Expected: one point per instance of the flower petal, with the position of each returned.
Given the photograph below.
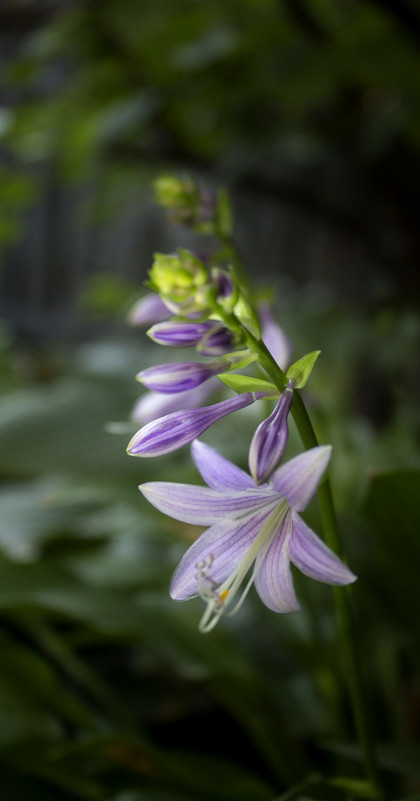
(149, 309)
(314, 558)
(298, 479)
(273, 578)
(274, 337)
(179, 428)
(222, 546)
(218, 472)
(202, 506)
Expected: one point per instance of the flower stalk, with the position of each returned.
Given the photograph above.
(343, 608)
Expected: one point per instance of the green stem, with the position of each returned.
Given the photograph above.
(344, 610)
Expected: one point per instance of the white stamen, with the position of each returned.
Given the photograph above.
(218, 598)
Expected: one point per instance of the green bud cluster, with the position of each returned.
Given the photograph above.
(177, 278)
(185, 202)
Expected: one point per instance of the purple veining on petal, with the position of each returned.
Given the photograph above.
(174, 333)
(273, 579)
(314, 558)
(270, 440)
(218, 472)
(202, 506)
(298, 479)
(180, 376)
(224, 545)
(179, 428)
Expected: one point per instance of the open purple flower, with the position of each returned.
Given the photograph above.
(255, 533)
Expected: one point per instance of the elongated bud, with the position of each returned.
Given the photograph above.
(270, 439)
(179, 428)
(181, 376)
(177, 334)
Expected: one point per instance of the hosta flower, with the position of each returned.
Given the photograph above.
(255, 533)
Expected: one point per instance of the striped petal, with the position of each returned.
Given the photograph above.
(175, 333)
(273, 578)
(180, 376)
(180, 428)
(152, 405)
(314, 558)
(270, 439)
(298, 479)
(203, 506)
(218, 472)
(216, 553)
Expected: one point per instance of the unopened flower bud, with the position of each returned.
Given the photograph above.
(178, 277)
(186, 202)
(270, 439)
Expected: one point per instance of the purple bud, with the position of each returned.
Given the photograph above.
(180, 334)
(149, 309)
(181, 376)
(217, 341)
(270, 439)
(179, 428)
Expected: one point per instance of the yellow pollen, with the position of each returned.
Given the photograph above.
(223, 595)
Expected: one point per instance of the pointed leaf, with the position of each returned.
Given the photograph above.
(301, 370)
(245, 383)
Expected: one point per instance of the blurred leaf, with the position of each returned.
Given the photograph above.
(393, 510)
(244, 383)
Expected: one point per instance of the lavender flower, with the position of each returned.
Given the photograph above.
(211, 338)
(252, 527)
(179, 428)
(270, 439)
(181, 376)
(149, 309)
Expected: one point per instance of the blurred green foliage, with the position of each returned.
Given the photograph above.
(107, 690)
